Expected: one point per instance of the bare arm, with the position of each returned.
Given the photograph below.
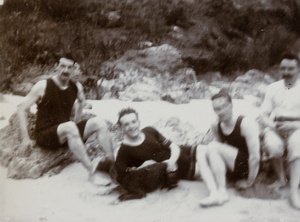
(33, 97)
(79, 103)
(288, 115)
(214, 131)
(266, 110)
(172, 161)
(249, 129)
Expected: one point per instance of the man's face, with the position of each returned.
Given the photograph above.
(222, 108)
(130, 125)
(289, 71)
(65, 70)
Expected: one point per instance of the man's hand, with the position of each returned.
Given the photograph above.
(171, 166)
(243, 184)
(147, 163)
(25, 147)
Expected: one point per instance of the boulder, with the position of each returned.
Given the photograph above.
(176, 97)
(38, 161)
(157, 60)
(181, 132)
(141, 91)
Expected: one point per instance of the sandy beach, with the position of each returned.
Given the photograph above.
(69, 196)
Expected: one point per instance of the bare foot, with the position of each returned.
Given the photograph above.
(295, 201)
(277, 185)
(99, 179)
(213, 200)
(223, 196)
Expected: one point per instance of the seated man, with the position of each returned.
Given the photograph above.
(282, 105)
(55, 98)
(235, 152)
(147, 161)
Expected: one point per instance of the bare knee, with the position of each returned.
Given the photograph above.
(201, 153)
(212, 150)
(294, 139)
(68, 130)
(97, 124)
(293, 146)
(273, 145)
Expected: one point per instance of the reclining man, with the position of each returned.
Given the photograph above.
(234, 155)
(55, 98)
(147, 161)
(282, 106)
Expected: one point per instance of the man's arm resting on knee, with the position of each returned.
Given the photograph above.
(250, 131)
(34, 95)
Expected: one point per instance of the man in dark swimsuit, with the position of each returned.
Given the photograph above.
(235, 152)
(55, 98)
(146, 160)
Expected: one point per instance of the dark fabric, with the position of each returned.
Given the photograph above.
(48, 138)
(241, 168)
(155, 147)
(144, 180)
(236, 140)
(186, 163)
(55, 106)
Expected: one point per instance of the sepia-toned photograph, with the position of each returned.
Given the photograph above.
(149, 110)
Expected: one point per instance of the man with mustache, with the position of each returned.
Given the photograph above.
(55, 98)
(281, 114)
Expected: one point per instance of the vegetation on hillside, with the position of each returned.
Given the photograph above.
(213, 35)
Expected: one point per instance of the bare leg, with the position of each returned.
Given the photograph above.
(219, 169)
(99, 126)
(274, 148)
(68, 132)
(208, 177)
(294, 183)
(205, 171)
(220, 157)
(277, 164)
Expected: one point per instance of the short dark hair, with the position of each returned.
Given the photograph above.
(223, 93)
(290, 56)
(126, 111)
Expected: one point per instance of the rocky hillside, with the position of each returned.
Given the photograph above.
(169, 46)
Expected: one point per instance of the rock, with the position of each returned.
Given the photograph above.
(255, 76)
(141, 91)
(177, 97)
(186, 76)
(22, 89)
(155, 60)
(180, 132)
(145, 44)
(39, 161)
(114, 19)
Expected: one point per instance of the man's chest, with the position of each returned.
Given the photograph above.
(287, 99)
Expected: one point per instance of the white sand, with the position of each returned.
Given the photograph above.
(70, 197)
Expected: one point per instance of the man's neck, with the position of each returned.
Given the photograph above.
(134, 141)
(230, 122)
